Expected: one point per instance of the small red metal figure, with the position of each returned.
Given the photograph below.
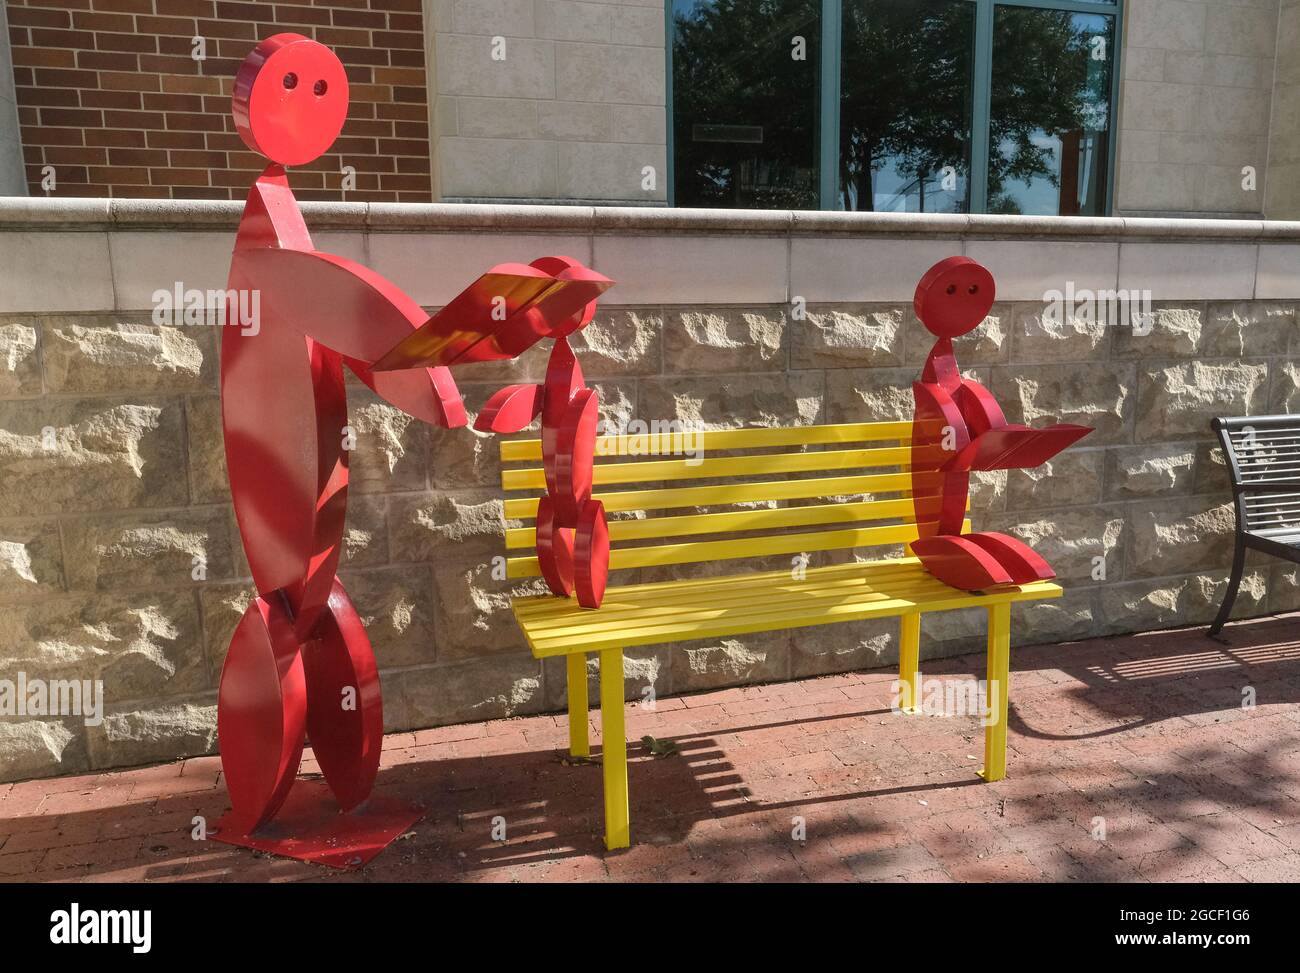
(572, 535)
(299, 662)
(958, 427)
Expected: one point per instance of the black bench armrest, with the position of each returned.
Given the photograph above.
(1276, 486)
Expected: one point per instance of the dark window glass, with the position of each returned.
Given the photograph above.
(1050, 112)
(905, 105)
(745, 103)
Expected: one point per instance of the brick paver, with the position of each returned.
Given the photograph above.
(1133, 760)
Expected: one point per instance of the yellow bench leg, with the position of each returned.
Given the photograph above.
(999, 663)
(909, 664)
(579, 741)
(614, 749)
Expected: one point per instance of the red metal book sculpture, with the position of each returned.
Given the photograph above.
(300, 663)
(958, 427)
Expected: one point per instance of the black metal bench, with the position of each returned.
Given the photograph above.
(1263, 457)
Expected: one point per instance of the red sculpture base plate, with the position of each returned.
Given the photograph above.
(310, 828)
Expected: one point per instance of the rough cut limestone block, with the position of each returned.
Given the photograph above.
(721, 339)
(34, 747)
(1173, 330)
(108, 353)
(20, 360)
(619, 341)
(155, 733)
(1072, 616)
(474, 617)
(396, 607)
(988, 490)
(148, 550)
(1071, 540)
(473, 691)
(646, 674)
(825, 649)
(945, 634)
(54, 453)
(1149, 471)
(1284, 588)
(725, 402)
(31, 560)
(1040, 335)
(223, 606)
(365, 535)
(1068, 479)
(989, 344)
(1100, 395)
(714, 663)
(1178, 400)
(432, 526)
(1285, 394)
(1211, 470)
(1249, 329)
(869, 394)
(1179, 536)
(207, 450)
(1141, 606)
(395, 716)
(391, 449)
(851, 335)
(143, 646)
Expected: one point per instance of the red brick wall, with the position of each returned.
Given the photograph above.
(109, 95)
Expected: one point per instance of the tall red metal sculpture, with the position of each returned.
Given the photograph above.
(300, 663)
(958, 427)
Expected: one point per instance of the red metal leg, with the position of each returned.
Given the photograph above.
(345, 712)
(261, 712)
(591, 555)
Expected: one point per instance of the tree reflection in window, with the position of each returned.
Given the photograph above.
(745, 102)
(1050, 112)
(905, 105)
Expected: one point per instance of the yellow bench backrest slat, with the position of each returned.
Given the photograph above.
(751, 505)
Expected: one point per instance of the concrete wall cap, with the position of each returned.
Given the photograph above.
(85, 214)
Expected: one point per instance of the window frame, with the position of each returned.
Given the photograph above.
(829, 98)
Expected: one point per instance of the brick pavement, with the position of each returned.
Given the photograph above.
(1144, 736)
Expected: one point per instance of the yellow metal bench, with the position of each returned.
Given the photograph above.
(753, 493)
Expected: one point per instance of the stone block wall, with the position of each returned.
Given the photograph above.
(119, 556)
(1284, 143)
(549, 99)
(1196, 98)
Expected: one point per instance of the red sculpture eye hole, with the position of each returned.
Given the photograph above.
(320, 87)
(952, 288)
(291, 81)
(974, 288)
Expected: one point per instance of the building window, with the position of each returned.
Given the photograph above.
(936, 106)
(745, 102)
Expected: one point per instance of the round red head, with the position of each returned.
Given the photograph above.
(291, 99)
(954, 296)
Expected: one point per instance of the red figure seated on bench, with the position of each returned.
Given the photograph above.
(958, 427)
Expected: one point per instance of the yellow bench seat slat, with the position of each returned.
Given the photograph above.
(776, 601)
(685, 468)
(731, 521)
(525, 508)
(520, 450)
(695, 552)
